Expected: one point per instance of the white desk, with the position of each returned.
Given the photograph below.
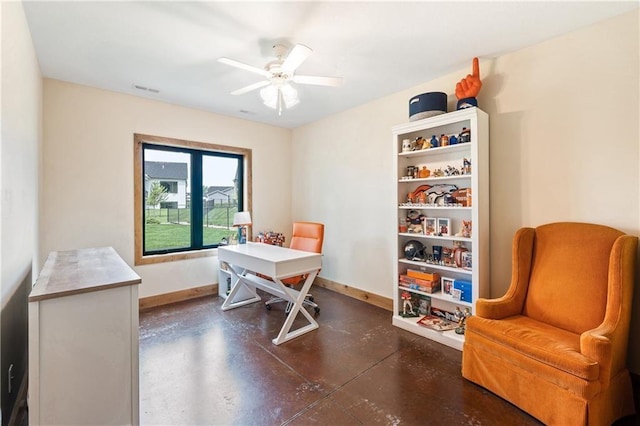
(245, 260)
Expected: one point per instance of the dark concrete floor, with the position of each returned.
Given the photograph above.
(199, 365)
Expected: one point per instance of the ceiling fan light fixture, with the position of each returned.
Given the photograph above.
(289, 95)
(269, 96)
(274, 94)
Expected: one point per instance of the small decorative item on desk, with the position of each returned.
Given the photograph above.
(270, 237)
(242, 220)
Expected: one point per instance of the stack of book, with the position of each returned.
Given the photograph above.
(427, 282)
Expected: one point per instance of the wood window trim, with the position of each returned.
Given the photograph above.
(138, 191)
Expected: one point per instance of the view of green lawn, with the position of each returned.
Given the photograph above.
(161, 233)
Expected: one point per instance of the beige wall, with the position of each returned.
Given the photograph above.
(20, 137)
(21, 93)
(88, 173)
(564, 144)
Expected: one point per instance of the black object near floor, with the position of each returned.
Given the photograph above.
(199, 365)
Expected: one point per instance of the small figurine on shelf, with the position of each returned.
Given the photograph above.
(407, 305)
(466, 229)
(406, 145)
(424, 172)
(451, 171)
(466, 166)
(465, 135)
(462, 319)
(414, 222)
(422, 198)
(425, 144)
(444, 140)
(434, 142)
(468, 88)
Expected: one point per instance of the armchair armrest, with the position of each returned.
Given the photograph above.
(607, 344)
(512, 302)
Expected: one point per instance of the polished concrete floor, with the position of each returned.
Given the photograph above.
(199, 365)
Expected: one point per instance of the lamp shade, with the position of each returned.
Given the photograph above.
(241, 219)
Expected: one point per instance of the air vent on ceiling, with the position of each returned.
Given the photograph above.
(146, 89)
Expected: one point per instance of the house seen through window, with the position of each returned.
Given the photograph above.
(188, 197)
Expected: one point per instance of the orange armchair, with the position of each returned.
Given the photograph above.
(555, 344)
(306, 236)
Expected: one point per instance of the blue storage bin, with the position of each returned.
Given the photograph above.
(465, 287)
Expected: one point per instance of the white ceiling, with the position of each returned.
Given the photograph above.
(378, 48)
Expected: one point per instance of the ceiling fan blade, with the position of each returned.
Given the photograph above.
(296, 57)
(317, 80)
(250, 87)
(244, 66)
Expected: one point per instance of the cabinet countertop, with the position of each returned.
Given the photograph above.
(82, 271)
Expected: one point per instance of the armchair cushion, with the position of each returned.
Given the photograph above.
(541, 342)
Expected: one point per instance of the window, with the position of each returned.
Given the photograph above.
(186, 194)
(171, 187)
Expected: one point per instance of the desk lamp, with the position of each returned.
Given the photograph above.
(242, 220)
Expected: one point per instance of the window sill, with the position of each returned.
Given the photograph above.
(173, 257)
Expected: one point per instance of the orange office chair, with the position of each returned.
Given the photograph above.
(306, 236)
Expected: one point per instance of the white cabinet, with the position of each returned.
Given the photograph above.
(450, 212)
(83, 340)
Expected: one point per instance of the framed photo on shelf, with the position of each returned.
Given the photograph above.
(444, 227)
(447, 285)
(430, 226)
(456, 293)
(467, 260)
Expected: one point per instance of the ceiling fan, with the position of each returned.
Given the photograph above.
(276, 90)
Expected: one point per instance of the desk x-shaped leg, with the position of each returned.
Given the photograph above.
(237, 283)
(242, 279)
(297, 298)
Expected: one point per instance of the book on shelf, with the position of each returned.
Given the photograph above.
(422, 304)
(444, 315)
(418, 284)
(424, 289)
(436, 323)
(428, 276)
